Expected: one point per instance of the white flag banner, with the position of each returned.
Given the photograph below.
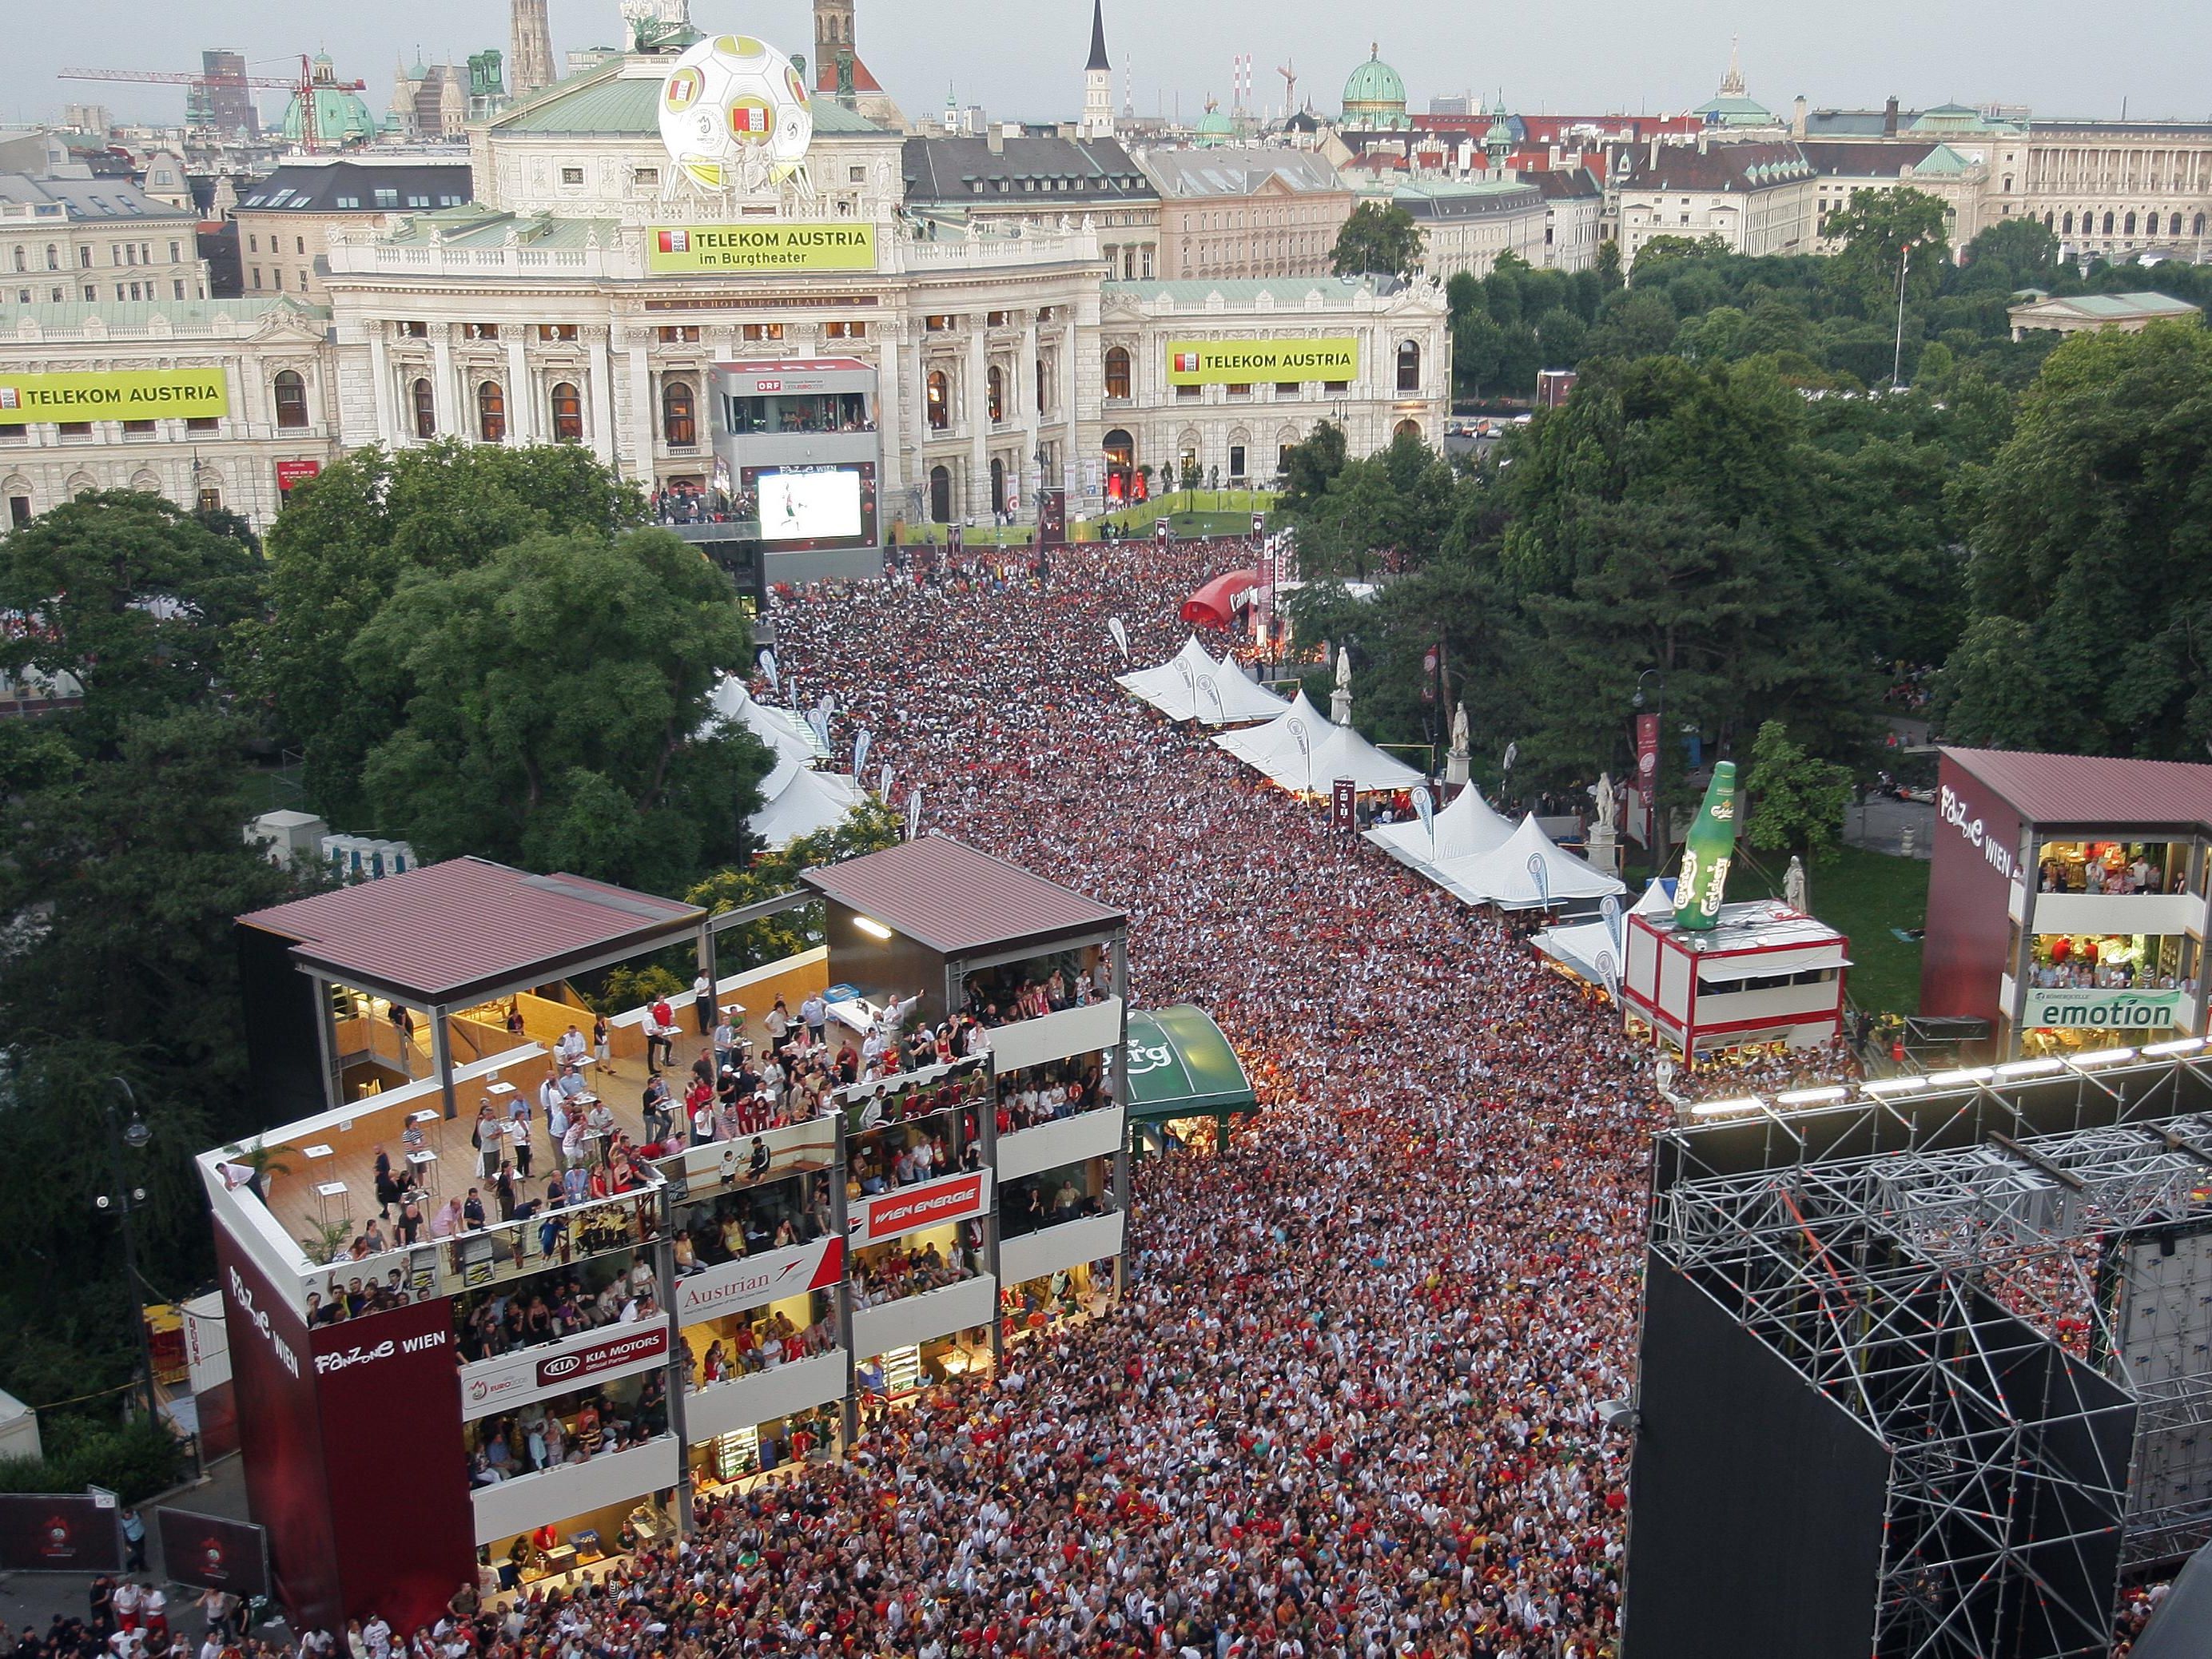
(1427, 811)
(883, 784)
(819, 720)
(914, 813)
(1609, 907)
(768, 667)
(1120, 633)
(860, 741)
(1609, 971)
(1512, 754)
(1541, 874)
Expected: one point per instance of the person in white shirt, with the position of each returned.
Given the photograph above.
(569, 1050)
(702, 1002)
(518, 1135)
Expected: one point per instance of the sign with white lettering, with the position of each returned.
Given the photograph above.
(1954, 810)
(909, 1209)
(599, 1356)
(752, 1282)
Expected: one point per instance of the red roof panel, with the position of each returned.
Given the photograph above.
(447, 932)
(945, 895)
(2100, 792)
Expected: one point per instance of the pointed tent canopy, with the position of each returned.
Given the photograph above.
(1328, 752)
(1234, 697)
(801, 801)
(1168, 687)
(1576, 947)
(784, 732)
(1507, 875)
(1468, 827)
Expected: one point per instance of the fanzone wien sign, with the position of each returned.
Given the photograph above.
(2089, 1008)
(124, 394)
(1240, 362)
(677, 249)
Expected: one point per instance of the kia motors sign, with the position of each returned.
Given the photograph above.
(753, 1281)
(932, 1204)
(518, 1379)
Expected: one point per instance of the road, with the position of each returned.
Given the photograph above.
(1881, 826)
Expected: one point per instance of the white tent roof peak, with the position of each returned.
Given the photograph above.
(1300, 750)
(1191, 685)
(1468, 826)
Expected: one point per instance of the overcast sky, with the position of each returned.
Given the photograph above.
(1025, 59)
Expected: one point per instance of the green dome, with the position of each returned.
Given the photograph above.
(1214, 125)
(1374, 95)
(340, 118)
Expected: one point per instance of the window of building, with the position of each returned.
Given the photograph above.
(84, 258)
(1409, 366)
(19, 511)
(572, 175)
(414, 331)
(853, 330)
(177, 288)
(299, 245)
(53, 257)
(426, 409)
(679, 423)
(75, 428)
(210, 499)
(1336, 388)
(757, 331)
(937, 324)
(2129, 226)
(291, 399)
(2108, 224)
(939, 401)
(1042, 402)
(91, 293)
(1236, 462)
(558, 333)
(138, 428)
(996, 318)
(1239, 388)
(1188, 393)
(856, 175)
(568, 414)
(387, 198)
(276, 278)
(679, 334)
(202, 424)
(491, 412)
(994, 393)
(480, 330)
(256, 276)
(940, 495)
(1117, 371)
(645, 175)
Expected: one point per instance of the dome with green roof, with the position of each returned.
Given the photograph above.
(1214, 127)
(1374, 95)
(340, 118)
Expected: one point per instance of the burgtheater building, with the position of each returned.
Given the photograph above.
(588, 290)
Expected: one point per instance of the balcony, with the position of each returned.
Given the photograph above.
(1055, 1037)
(528, 1375)
(1049, 1249)
(555, 1495)
(746, 1403)
(2119, 912)
(1064, 1141)
(914, 1319)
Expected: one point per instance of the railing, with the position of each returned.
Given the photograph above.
(1050, 1249)
(530, 1500)
(745, 1402)
(914, 1319)
(1060, 1141)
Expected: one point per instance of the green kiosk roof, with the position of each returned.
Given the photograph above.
(1180, 1064)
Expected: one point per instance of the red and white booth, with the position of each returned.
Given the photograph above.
(1764, 974)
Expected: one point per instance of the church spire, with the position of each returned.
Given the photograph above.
(1732, 82)
(1098, 37)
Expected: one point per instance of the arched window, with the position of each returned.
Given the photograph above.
(1117, 371)
(426, 409)
(291, 399)
(491, 412)
(1409, 367)
(2130, 224)
(53, 257)
(998, 485)
(2108, 223)
(568, 414)
(940, 495)
(2199, 231)
(22, 257)
(938, 393)
(2174, 228)
(1120, 452)
(1042, 402)
(1407, 429)
(679, 425)
(2069, 221)
(994, 390)
(2049, 220)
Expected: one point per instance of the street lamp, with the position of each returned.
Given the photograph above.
(126, 1201)
(1897, 359)
(1654, 815)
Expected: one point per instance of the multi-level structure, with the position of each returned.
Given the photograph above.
(1758, 196)
(1233, 213)
(903, 1229)
(285, 221)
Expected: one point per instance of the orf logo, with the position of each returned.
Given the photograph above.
(767, 386)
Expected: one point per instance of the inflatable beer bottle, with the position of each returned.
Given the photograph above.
(1706, 854)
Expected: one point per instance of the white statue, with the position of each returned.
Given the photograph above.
(1339, 701)
(1608, 807)
(1793, 886)
(1458, 732)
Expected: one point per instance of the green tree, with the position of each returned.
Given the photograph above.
(1390, 508)
(1876, 227)
(1609, 265)
(554, 710)
(347, 538)
(1560, 334)
(1380, 239)
(1992, 694)
(872, 827)
(2020, 251)
(1308, 467)
(130, 595)
(1797, 801)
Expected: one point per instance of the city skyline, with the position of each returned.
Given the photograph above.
(1970, 52)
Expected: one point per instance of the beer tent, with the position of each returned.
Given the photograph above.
(1302, 750)
(1526, 871)
(801, 801)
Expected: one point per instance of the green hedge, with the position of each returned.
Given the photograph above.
(136, 1460)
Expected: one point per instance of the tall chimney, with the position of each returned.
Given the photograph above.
(1889, 119)
(1655, 152)
(1797, 118)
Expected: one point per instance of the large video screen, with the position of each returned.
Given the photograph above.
(809, 506)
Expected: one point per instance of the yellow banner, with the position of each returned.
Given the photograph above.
(693, 249)
(125, 394)
(1242, 363)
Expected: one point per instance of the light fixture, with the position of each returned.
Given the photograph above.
(135, 1134)
(1810, 1097)
(2179, 1046)
(1892, 1085)
(1714, 1108)
(2104, 1056)
(872, 928)
(2029, 1067)
(1949, 1080)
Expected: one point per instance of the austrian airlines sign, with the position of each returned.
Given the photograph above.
(753, 1281)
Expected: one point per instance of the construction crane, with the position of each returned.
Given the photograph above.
(303, 89)
(1290, 90)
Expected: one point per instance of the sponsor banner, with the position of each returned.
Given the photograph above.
(1240, 362)
(294, 473)
(754, 1280)
(210, 1552)
(1955, 812)
(1647, 754)
(673, 250)
(2093, 1010)
(60, 1532)
(934, 1203)
(122, 394)
(602, 1355)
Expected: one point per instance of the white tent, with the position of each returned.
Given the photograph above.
(800, 801)
(786, 733)
(1468, 827)
(1300, 749)
(1230, 698)
(1578, 945)
(1191, 685)
(1526, 871)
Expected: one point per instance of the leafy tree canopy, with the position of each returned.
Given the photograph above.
(1379, 239)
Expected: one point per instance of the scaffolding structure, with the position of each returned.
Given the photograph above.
(1950, 1261)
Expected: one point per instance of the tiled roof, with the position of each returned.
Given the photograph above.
(2096, 791)
(1566, 182)
(1426, 198)
(1244, 291)
(1719, 168)
(90, 199)
(1079, 170)
(1197, 172)
(1841, 158)
(466, 928)
(2109, 308)
(606, 102)
(351, 186)
(944, 894)
(136, 317)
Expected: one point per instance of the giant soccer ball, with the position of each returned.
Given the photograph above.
(733, 108)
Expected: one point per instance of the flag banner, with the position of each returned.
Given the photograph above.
(1426, 809)
(1120, 633)
(768, 667)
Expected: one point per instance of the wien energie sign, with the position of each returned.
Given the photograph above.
(124, 394)
(1242, 363)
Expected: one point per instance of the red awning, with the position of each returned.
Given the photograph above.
(1214, 605)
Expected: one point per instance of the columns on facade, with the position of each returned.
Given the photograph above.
(979, 423)
(379, 375)
(443, 382)
(1027, 401)
(602, 395)
(521, 397)
(1071, 372)
(888, 422)
(641, 411)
